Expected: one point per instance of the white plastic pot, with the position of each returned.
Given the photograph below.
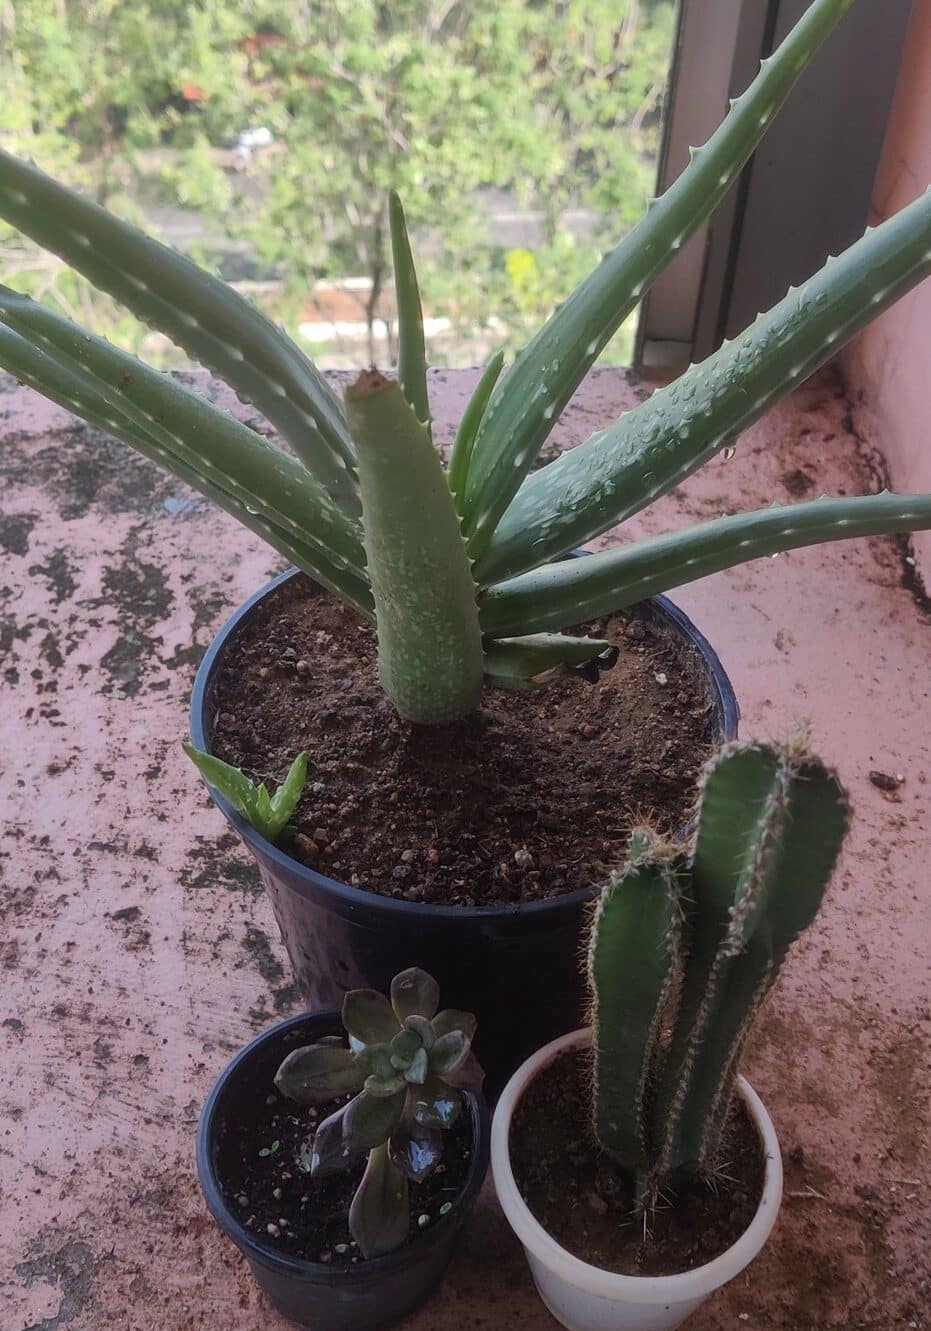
(586, 1298)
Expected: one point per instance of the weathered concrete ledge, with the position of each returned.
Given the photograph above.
(138, 951)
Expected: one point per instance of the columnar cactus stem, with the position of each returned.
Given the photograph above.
(633, 960)
(771, 825)
(683, 955)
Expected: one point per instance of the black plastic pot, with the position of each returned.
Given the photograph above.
(516, 966)
(363, 1297)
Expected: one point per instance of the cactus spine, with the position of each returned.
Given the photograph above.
(671, 1020)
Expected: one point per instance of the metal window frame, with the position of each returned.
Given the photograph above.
(823, 148)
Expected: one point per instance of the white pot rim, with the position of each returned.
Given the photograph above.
(698, 1282)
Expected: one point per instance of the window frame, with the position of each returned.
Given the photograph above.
(824, 145)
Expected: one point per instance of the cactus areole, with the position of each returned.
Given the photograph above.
(452, 561)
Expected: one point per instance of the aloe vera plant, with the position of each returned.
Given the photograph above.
(267, 813)
(684, 950)
(406, 1064)
(453, 563)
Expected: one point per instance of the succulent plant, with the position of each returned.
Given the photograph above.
(453, 564)
(684, 950)
(407, 1063)
(267, 813)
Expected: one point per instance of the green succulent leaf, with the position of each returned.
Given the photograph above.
(412, 355)
(562, 594)
(197, 311)
(457, 470)
(319, 1072)
(414, 993)
(517, 660)
(469, 1076)
(433, 1105)
(416, 1071)
(649, 450)
(384, 1086)
(331, 1153)
(379, 1216)
(369, 1120)
(368, 1017)
(449, 1053)
(288, 795)
(404, 1046)
(416, 1151)
(529, 400)
(62, 379)
(267, 814)
(451, 1019)
(423, 1028)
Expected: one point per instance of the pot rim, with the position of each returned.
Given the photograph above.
(285, 1263)
(594, 1280)
(726, 706)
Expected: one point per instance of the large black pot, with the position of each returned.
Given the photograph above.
(516, 966)
(363, 1297)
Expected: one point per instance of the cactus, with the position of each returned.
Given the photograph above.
(683, 953)
(405, 1066)
(454, 564)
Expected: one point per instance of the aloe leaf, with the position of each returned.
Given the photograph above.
(527, 403)
(657, 445)
(287, 797)
(64, 382)
(412, 353)
(199, 312)
(429, 643)
(457, 469)
(529, 658)
(231, 782)
(379, 1214)
(184, 423)
(319, 1072)
(558, 595)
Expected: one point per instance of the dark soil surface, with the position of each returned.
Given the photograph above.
(531, 796)
(264, 1165)
(586, 1202)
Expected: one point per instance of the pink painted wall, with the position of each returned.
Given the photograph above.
(888, 368)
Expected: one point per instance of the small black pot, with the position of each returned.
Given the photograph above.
(363, 1297)
(516, 966)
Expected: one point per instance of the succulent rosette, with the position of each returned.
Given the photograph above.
(408, 1064)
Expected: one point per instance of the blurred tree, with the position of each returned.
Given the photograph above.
(550, 105)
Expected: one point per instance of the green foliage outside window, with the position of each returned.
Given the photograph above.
(552, 106)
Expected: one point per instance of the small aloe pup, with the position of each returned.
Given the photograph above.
(408, 1062)
(453, 562)
(683, 953)
(267, 813)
